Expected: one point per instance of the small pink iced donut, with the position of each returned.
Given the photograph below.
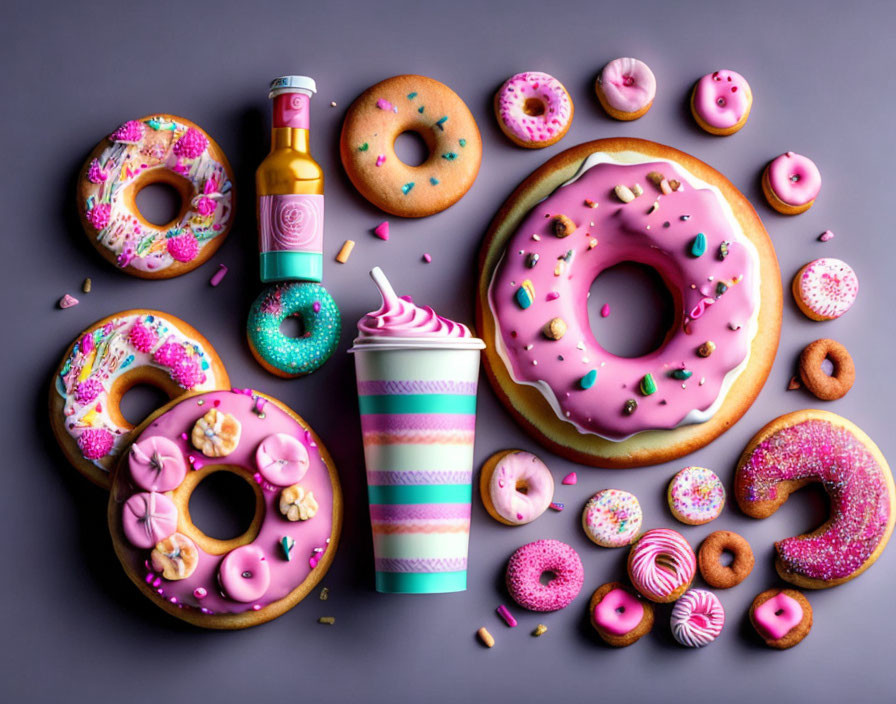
(516, 487)
(148, 518)
(626, 88)
(281, 459)
(157, 464)
(825, 289)
(530, 562)
(697, 618)
(244, 574)
(533, 109)
(721, 102)
(777, 616)
(618, 612)
(791, 183)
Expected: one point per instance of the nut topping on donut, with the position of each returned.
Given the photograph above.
(296, 504)
(555, 329)
(175, 557)
(624, 193)
(707, 348)
(216, 434)
(563, 226)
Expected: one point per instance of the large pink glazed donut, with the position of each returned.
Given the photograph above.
(721, 102)
(626, 88)
(791, 183)
(533, 109)
(288, 547)
(530, 562)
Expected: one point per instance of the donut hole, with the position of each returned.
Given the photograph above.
(827, 366)
(665, 562)
(223, 505)
(794, 178)
(642, 310)
(534, 107)
(779, 612)
(721, 102)
(293, 326)
(159, 203)
(547, 577)
(620, 609)
(522, 487)
(726, 558)
(411, 148)
(139, 401)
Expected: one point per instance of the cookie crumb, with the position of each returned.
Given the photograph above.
(540, 630)
(324, 593)
(87, 285)
(328, 620)
(487, 639)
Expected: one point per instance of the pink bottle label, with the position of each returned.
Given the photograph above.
(291, 110)
(291, 223)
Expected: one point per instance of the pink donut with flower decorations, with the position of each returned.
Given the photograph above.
(291, 541)
(157, 149)
(818, 446)
(626, 88)
(662, 565)
(721, 102)
(825, 288)
(791, 183)
(587, 210)
(530, 562)
(105, 361)
(533, 109)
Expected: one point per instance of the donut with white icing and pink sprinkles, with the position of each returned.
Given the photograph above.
(533, 109)
(825, 289)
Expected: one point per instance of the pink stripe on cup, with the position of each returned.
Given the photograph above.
(390, 423)
(410, 512)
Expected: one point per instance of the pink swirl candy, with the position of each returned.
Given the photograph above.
(399, 317)
(697, 618)
(157, 464)
(282, 459)
(661, 563)
(148, 518)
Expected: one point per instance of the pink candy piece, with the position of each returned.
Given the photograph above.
(157, 464)
(504, 613)
(826, 236)
(219, 275)
(427, 258)
(794, 179)
(382, 230)
(191, 145)
(282, 459)
(148, 518)
(67, 301)
(244, 574)
(605, 310)
(381, 159)
(618, 612)
(777, 616)
(95, 443)
(530, 562)
(570, 479)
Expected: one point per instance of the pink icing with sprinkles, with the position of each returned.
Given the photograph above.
(860, 492)
(828, 287)
(530, 562)
(556, 107)
(697, 495)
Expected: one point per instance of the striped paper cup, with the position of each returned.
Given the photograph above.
(418, 414)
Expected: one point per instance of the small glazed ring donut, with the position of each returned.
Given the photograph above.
(827, 388)
(721, 102)
(410, 104)
(293, 356)
(825, 289)
(781, 617)
(526, 567)
(714, 573)
(791, 183)
(156, 149)
(533, 109)
(619, 614)
(130, 348)
(516, 487)
(626, 88)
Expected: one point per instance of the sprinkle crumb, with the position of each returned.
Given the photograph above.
(536, 237)
(794, 384)
(324, 593)
(505, 614)
(345, 252)
(540, 630)
(332, 103)
(87, 285)
(487, 639)
(218, 276)
(826, 236)
(328, 620)
(556, 506)
(427, 257)
(67, 301)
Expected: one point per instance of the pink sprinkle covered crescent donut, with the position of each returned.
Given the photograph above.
(626, 88)
(612, 518)
(791, 183)
(287, 548)
(516, 487)
(156, 149)
(721, 102)
(697, 618)
(662, 565)
(825, 289)
(526, 567)
(533, 109)
(817, 446)
(587, 210)
(696, 495)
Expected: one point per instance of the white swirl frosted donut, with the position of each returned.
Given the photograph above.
(697, 618)
(661, 565)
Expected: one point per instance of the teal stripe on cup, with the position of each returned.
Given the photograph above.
(425, 494)
(417, 403)
(421, 582)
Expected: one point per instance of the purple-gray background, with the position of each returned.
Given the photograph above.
(76, 628)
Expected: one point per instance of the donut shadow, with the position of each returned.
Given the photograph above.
(687, 116)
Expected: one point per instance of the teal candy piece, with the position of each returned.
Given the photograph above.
(462, 142)
(287, 544)
(413, 95)
(406, 188)
(698, 246)
(294, 356)
(682, 374)
(525, 294)
(587, 381)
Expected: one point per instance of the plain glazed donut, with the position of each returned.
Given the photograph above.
(827, 388)
(714, 573)
(516, 487)
(721, 102)
(572, 219)
(791, 183)
(156, 149)
(817, 446)
(533, 109)
(530, 562)
(105, 361)
(626, 88)
(254, 577)
(416, 104)
(781, 617)
(661, 565)
(619, 614)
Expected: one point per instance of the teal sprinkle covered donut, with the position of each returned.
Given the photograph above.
(293, 356)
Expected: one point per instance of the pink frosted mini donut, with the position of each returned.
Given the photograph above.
(697, 618)
(721, 102)
(530, 562)
(791, 183)
(825, 289)
(661, 565)
(533, 109)
(612, 518)
(516, 487)
(626, 88)
(696, 496)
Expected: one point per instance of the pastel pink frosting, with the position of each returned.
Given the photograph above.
(709, 305)
(828, 287)
(619, 612)
(537, 86)
(778, 616)
(282, 459)
(660, 563)
(148, 518)
(244, 574)
(628, 84)
(722, 98)
(794, 178)
(530, 562)
(512, 505)
(157, 464)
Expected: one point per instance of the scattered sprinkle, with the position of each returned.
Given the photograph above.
(332, 103)
(384, 104)
(380, 160)
(826, 236)
(449, 156)
(605, 310)
(587, 381)
(675, 184)
(433, 181)
(427, 257)
(406, 188)
(462, 142)
(682, 374)
(67, 301)
(532, 260)
(487, 639)
(556, 505)
(328, 620)
(525, 294)
(552, 296)
(345, 252)
(540, 630)
(364, 147)
(734, 326)
(637, 190)
(324, 593)
(794, 384)
(382, 230)
(412, 95)
(504, 613)
(590, 203)
(685, 218)
(592, 243)
(219, 275)
(723, 249)
(647, 385)
(570, 479)
(287, 543)
(537, 238)
(698, 246)
(87, 285)
(441, 121)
